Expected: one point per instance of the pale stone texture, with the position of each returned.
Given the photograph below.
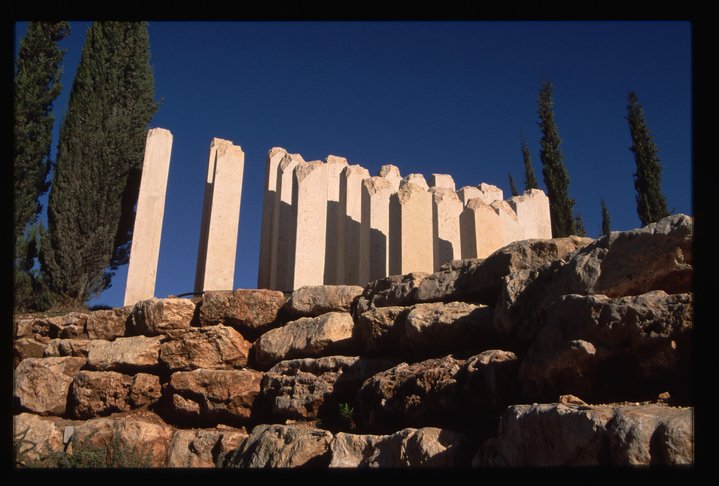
(532, 209)
(487, 193)
(445, 181)
(220, 217)
(309, 198)
(410, 235)
(283, 446)
(446, 236)
(349, 226)
(250, 311)
(269, 231)
(487, 227)
(374, 228)
(417, 179)
(210, 347)
(29, 348)
(203, 447)
(335, 166)
(108, 324)
(142, 270)
(156, 316)
(392, 174)
(70, 347)
(315, 300)
(284, 222)
(41, 384)
(36, 437)
(126, 354)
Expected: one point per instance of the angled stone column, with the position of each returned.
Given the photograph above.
(410, 235)
(309, 198)
(274, 156)
(220, 217)
(446, 208)
(335, 165)
(487, 227)
(374, 229)
(282, 246)
(145, 250)
(392, 174)
(417, 179)
(442, 180)
(487, 193)
(350, 221)
(532, 210)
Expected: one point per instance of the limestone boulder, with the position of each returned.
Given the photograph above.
(203, 447)
(395, 290)
(29, 326)
(213, 396)
(212, 347)
(315, 300)
(488, 383)
(130, 354)
(154, 316)
(71, 347)
(41, 384)
(108, 324)
(283, 446)
(36, 438)
(307, 337)
(68, 326)
(425, 447)
(144, 390)
(251, 312)
(96, 393)
(309, 388)
(377, 331)
(604, 349)
(27, 348)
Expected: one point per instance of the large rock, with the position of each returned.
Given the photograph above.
(395, 290)
(252, 312)
(108, 324)
(42, 384)
(68, 326)
(438, 329)
(315, 300)
(213, 347)
(27, 348)
(213, 396)
(145, 390)
(307, 337)
(131, 354)
(36, 438)
(378, 330)
(132, 439)
(71, 347)
(203, 447)
(283, 446)
(98, 393)
(579, 435)
(307, 388)
(154, 316)
(488, 382)
(29, 326)
(629, 348)
(426, 447)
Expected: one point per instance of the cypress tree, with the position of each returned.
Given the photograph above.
(579, 225)
(91, 204)
(530, 182)
(606, 222)
(651, 203)
(37, 84)
(512, 186)
(555, 174)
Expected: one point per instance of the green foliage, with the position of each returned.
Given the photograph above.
(346, 413)
(530, 182)
(606, 221)
(579, 225)
(512, 186)
(37, 84)
(30, 289)
(651, 203)
(98, 167)
(556, 178)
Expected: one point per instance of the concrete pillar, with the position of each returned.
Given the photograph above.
(487, 193)
(417, 179)
(392, 174)
(309, 198)
(532, 210)
(374, 229)
(274, 156)
(447, 242)
(350, 220)
(442, 180)
(147, 231)
(335, 165)
(486, 228)
(220, 217)
(285, 218)
(410, 235)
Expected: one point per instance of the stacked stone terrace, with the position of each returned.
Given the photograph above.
(329, 222)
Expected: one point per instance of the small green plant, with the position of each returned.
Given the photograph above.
(346, 413)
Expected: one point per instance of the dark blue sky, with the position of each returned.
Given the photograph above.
(444, 97)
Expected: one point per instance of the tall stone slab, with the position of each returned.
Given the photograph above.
(417, 179)
(374, 228)
(533, 215)
(335, 166)
(350, 222)
(220, 217)
(487, 227)
(442, 180)
(487, 193)
(392, 174)
(282, 245)
(410, 231)
(274, 157)
(145, 250)
(309, 198)
(447, 241)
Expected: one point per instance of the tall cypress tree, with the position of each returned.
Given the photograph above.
(512, 186)
(606, 221)
(579, 225)
(651, 203)
(99, 159)
(555, 174)
(37, 84)
(530, 182)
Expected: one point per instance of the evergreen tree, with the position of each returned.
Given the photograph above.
(606, 222)
(530, 182)
(579, 225)
(512, 186)
(555, 174)
(91, 205)
(651, 203)
(37, 84)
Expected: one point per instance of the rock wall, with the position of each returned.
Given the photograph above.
(547, 352)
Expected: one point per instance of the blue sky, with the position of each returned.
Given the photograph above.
(443, 97)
